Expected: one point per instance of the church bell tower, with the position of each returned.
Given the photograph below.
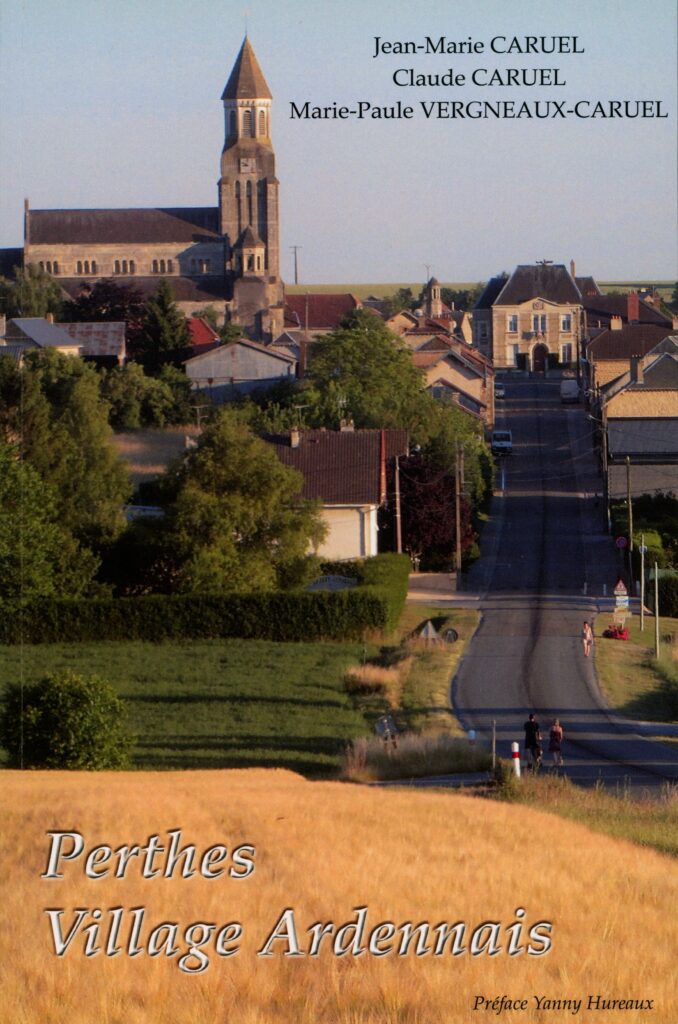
(248, 201)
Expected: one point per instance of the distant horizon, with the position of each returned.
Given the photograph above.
(122, 109)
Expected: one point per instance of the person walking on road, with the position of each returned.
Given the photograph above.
(532, 743)
(586, 639)
(556, 742)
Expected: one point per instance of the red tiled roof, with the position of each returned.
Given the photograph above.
(203, 337)
(340, 467)
(320, 311)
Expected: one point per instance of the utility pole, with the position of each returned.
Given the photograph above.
(642, 582)
(398, 525)
(630, 511)
(656, 611)
(457, 509)
(295, 249)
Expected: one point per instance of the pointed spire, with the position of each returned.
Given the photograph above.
(246, 80)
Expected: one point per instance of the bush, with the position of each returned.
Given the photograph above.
(280, 616)
(64, 721)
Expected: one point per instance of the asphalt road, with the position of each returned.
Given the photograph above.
(546, 565)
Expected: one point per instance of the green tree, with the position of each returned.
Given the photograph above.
(363, 371)
(400, 300)
(238, 521)
(52, 408)
(461, 298)
(163, 332)
(64, 721)
(32, 292)
(38, 555)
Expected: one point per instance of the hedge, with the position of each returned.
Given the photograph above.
(280, 616)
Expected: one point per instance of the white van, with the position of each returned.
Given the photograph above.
(502, 442)
(569, 390)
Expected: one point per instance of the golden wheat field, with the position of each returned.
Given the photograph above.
(321, 851)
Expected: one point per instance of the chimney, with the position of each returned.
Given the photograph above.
(615, 323)
(573, 269)
(633, 307)
(50, 318)
(637, 373)
(295, 437)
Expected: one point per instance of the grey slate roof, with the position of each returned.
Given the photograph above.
(115, 227)
(645, 438)
(204, 289)
(40, 331)
(490, 292)
(602, 307)
(246, 80)
(630, 340)
(551, 281)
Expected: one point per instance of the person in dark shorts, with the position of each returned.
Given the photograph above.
(532, 743)
(556, 742)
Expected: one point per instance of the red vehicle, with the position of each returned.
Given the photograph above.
(616, 632)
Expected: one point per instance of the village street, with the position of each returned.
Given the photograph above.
(546, 565)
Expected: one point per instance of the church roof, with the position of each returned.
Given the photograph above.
(101, 227)
(250, 239)
(205, 289)
(246, 80)
(550, 281)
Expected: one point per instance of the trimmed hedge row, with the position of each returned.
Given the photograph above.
(290, 616)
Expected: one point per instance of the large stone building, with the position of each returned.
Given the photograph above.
(227, 256)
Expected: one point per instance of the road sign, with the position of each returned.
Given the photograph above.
(621, 543)
(620, 586)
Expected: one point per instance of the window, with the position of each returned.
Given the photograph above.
(231, 123)
(132, 267)
(248, 123)
(482, 331)
(155, 266)
(170, 267)
(78, 267)
(512, 323)
(116, 267)
(539, 323)
(56, 267)
(566, 323)
(566, 352)
(94, 266)
(262, 122)
(513, 352)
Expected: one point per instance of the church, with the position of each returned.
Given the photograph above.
(227, 256)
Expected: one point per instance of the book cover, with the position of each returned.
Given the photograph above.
(451, 142)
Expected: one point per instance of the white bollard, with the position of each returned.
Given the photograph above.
(515, 754)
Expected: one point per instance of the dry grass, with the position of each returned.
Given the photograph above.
(324, 849)
(362, 680)
(415, 756)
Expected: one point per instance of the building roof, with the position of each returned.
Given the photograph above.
(227, 350)
(201, 332)
(646, 437)
(587, 286)
(120, 227)
(550, 281)
(600, 308)
(490, 292)
(201, 290)
(341, 467)
(40, 331)
(319, 311)
(629, 340)
(246, 80)
(104, 338)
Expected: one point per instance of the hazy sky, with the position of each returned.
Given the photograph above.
(117, 103)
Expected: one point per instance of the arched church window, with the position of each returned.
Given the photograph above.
(162, 266)
(258, 262)
(79, 267)
(116, 267)
(249, 202)
(250, 262)
(132, 267)
(247, 123)
(170, 267)
(86, 266)
(231, 123)
(56, 267)
(155, 266)
(262, 122)
(94, 266)
(124, 266)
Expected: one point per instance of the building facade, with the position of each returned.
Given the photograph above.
(227, 256)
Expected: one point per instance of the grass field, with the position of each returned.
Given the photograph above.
(322, 850)
(633, 683)
(362, 291)
(217, 704)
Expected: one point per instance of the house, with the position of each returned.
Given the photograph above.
(243, 366)
(102, 342)
(202, 334)
(453, 370)
(347, 472)
(602, 310)
(639, 414)
(318, 312)
(610, 350)
(35, 332)
(531, 320)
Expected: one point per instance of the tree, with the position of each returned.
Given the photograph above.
(107, 301)
(238, 521)
(461, 298)
(32, 293)
(363, 371)
(38, 555)
(428, 513)
(64, 721)
(402, 299)
(163, 332)
(52, 408)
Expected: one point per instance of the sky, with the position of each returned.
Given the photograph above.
(117, 104)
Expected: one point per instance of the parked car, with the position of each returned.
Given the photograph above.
(569, 390)
(499, 391)
(502, 442)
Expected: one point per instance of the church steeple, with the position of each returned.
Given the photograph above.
(248, 195)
